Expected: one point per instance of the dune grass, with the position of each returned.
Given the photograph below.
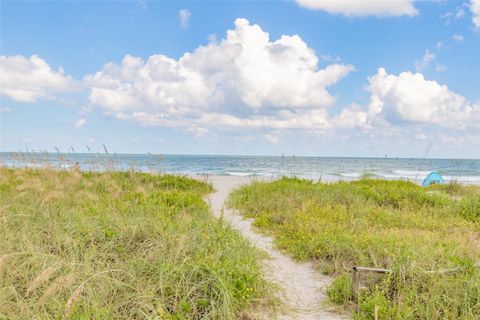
(374, 223)
(119, 246)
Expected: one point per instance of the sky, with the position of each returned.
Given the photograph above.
(315, 78)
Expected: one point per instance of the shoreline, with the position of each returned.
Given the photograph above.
(326, 169)
(252, 178)
(255, 177)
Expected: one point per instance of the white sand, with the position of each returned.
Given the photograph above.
(303, 288)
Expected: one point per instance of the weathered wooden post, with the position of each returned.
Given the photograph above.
(355, 282)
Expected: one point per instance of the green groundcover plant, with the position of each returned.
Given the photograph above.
(416, 232)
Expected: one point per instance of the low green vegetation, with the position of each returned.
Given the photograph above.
(119, 246)
(386, 224)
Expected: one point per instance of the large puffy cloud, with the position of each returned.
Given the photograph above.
(160, 84)
(406, 98)
(245, 80)
(475, 8)
(355, 8)
(29, 79)
(409, 97)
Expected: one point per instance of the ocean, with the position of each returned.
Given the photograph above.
(316, 168)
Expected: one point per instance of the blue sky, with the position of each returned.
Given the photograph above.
(391, 78)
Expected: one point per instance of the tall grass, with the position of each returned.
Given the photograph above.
(118, 245)
(389, 224)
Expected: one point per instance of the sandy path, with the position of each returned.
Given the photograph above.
(303, 288)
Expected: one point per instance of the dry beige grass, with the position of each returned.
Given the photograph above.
(118, 246)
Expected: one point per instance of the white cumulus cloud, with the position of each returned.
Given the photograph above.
(29, 79)
(409, 97)
(352, 117)
(359, 8)
(245, 79)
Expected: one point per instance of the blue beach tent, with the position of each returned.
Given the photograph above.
(433, 178)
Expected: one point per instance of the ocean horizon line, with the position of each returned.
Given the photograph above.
(233, 155)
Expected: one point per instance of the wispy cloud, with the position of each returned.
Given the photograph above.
(458, 38)
(212, 38)
(440, 67)
(184, 16)
(5, 109)
(425, 62)
(457, 14)
(475, 8)
(272, 138)
(80, 123)
(142, 4)
(356, 8)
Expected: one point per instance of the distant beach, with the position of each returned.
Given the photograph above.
(465, 171)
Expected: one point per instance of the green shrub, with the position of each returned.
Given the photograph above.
(340, 291)
(469, 208)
